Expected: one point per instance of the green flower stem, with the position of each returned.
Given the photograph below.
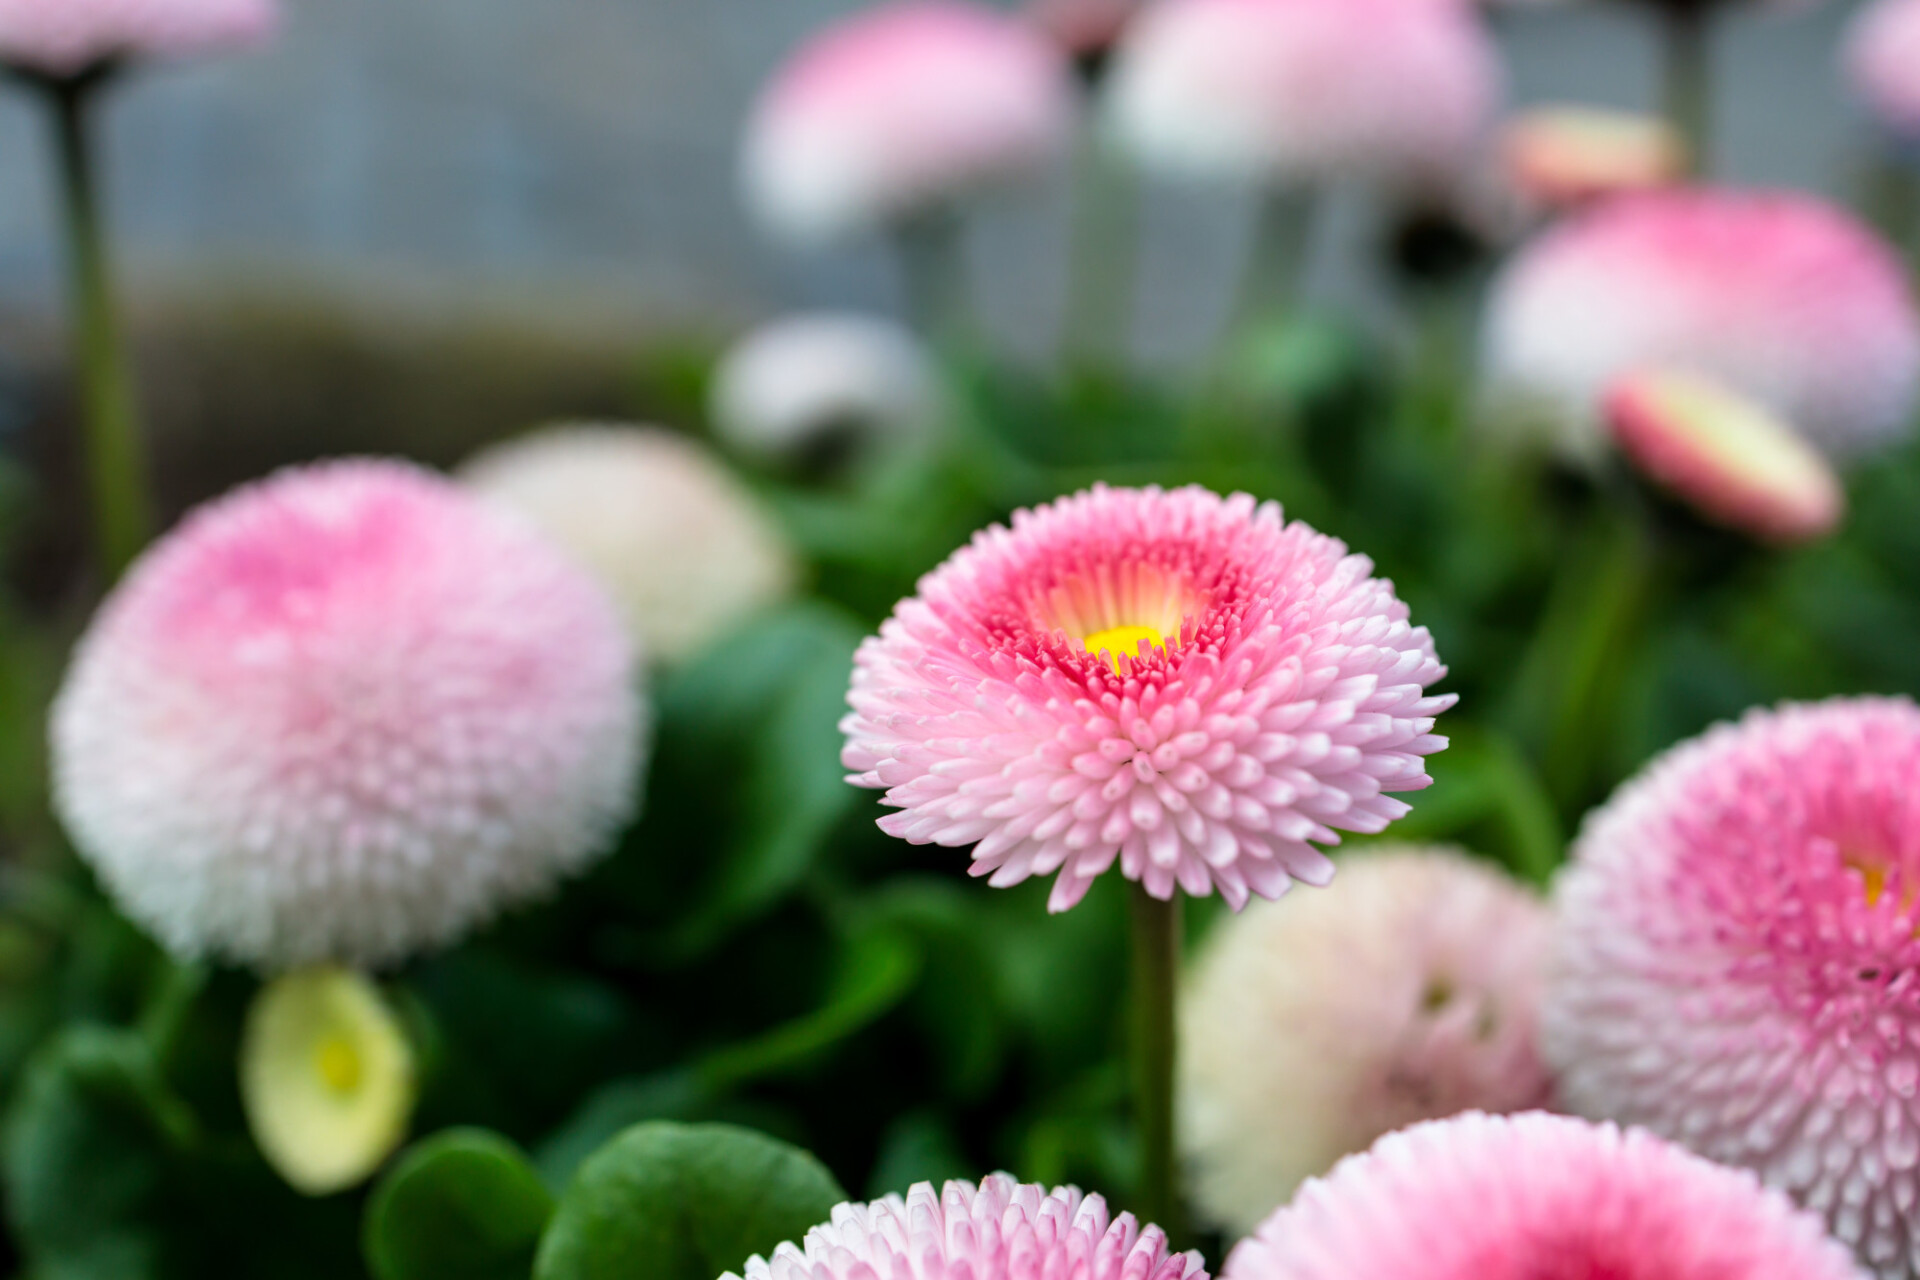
(933, 268)
(116, 457)
(1279, 245)
(1156, 969)
(1102, 257)
(1687, 76)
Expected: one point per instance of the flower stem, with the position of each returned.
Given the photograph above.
(1273, 262)
(116, 458)
(934, 272)
(1101, 266)
(1156, 966)
(1687, 76)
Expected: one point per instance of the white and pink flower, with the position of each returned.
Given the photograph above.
(1181, 682)
(66, 37)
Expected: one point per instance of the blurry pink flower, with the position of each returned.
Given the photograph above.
(1182, 681)
(1737, 963)
(1312, 1026)
(1303, 91)
(65, 37)
(898, 108)
(1000, 1230)
(1781, 296)
(1882, 55)
(1732, 460)
(344, 714)
(1558, 157)
(1535, 1197)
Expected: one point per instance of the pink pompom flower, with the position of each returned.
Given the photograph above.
(1781, 296)
(1535, 1197)
(1279, 92)
(1737, 962)
(900, 108)
(344, 714)
(1734, 462)
(67, 37)
(1181, 681)
(1560, 157)
(1882, 57)
(999, 1230)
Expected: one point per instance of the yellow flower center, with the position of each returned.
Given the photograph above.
(1874, 875)
(338, 1063)
(1119, 642)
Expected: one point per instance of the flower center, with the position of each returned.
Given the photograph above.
(1123, 642)
(338, 1063)
(1875, 872)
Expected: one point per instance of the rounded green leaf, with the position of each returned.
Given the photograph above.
(683, 1202)
(463, 1205)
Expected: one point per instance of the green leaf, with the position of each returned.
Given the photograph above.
(460, 1205)
(683, 1202)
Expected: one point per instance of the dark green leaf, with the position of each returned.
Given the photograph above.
(461, 1205)
(683, 1202)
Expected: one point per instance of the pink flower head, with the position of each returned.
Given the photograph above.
(1292, 91)
(1560, 157)
(1000, 1230)
(343, 714)
(1738, 964)
(1882, 54)
(1732, 460)
(1315, 1025)
(1182, 681)
(1781, 296)
(1083, 28)
(1535, 1197)
(899, 108)
(66, 37)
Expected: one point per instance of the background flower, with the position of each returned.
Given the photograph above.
(1736, 953)
(1513, 1198)
(344, 713)
(1243, 89)
(1314, 1025)
(63, 37)
(1178, 680)
(1882, 56)
(900, 107)
(679, 543)
(1782, 296)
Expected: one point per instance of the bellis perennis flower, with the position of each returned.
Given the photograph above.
(1559, 157)
(1302, 91)
(898, 108)
(999, 1230)
(1739, 964)
(1883, 62)
(343, 714)
(66, 37)
(1411, 990)
(1534, 1197)
(1780, 296)
(676, 539)
(1737, 464)
(1182, 682)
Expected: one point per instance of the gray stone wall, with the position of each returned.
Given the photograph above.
(584, 148)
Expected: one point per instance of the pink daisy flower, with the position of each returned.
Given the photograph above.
(1184, 682)
(1084, 29)
(898, 108)
(1535, 1197)
(1305, 91)
(66, 37)
(1737, 961)
(344, 714)
(1737, 464)
(1000, 1230)
(1882, 56)
(1781, 296)
(1311, 1027)
(1563, 156)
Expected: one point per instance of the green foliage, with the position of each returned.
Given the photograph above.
(683, 1202)
(461, 1205)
